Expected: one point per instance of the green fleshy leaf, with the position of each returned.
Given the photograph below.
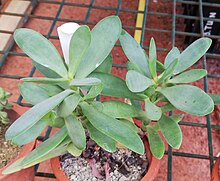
(47, 146)
(168, 72)
(192, 54)
(33, 115)
(215, 98)
(130, 123)
(76, 132)
(40, 50)
(156, 143)
(79, 44)
(68, 105)
(153, 58)
(73, 150)
(113, 128)
(177, 117)
(102, 41)
(153, 112)
(171, 56)
(93, 92)
(51, 90)
(134, 52)
(30, 134)
(137, 82)
(85, 82)
(57, 122)
(189, 76)
(171, 131)
(189, 99)
(167, 108)
(110, 82)
(106, 65)
(33, 93)
(101, 139)
(45, 80)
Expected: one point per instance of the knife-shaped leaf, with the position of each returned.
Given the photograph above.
(102, 41)
(73, 150)
(110, 82)
(171, 56)
(45, 80)
(40, 49)
(33, 115)
(30, 134)
(101, 139)
(156, 143)
(46, 147)
(153, 112)
(192, 54)
(33, 93)
(137, 82)
(79, 44)
(106, 65)
(168, 71)
(171, 131)
(189, 76)
(68, 105)
(51, 90)
(93, 92)
(113, 128)
(189, 99)
(76, 131)
(153, 58)
(134, 52)
(85, 82)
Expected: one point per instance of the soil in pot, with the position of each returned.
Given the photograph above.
(96, 164)
(8, 151)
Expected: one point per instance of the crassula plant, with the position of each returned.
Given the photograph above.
(65, 98)
(4, 95)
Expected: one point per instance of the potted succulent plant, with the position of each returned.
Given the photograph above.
(8, 114)
(65, 98)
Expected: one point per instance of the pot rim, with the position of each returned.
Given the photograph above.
(150, 175)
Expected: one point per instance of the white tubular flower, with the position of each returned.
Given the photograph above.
(65, 32)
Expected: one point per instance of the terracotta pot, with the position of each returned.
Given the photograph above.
(26, 174)
(216, 171)
(150, 175)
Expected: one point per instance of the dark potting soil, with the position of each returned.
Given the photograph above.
(96, 164)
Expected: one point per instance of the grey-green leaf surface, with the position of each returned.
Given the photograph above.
(33, 115)
(132, 66)
(137, 82)
(189, 99)
(33, 93)
(68, 105)
(156, 143)
(171, 131)
(134, 52)
(153, 58)
(129, 122)
(102, 42)
(177, 117)
(73, 150)
(46, 147)
(79, 44)
(45, 70)
(30, 134)
(153, 112)
(45, 80)
(40, 49)
(113, 128)
(85, 82)
(101, 139)
(93, 92)
(168, 71)
(167, 108)
(117, 109)
(160, 67)
(76, 131)
(192, 54)
(189, 76)
(215, 98)
(106, 65)
(51, 90)
(171, 56)
(110, 82)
